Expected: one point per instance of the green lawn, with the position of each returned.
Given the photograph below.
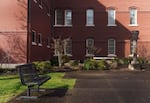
(10, 86)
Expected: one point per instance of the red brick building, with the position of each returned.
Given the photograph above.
(27, 27)
(105, 24)
(25, 31)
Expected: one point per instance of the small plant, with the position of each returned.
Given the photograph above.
(43, 66)
(101, 64)
(91, 64)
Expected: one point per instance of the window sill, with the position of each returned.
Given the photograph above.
(34, 43)
(62, 25)
(90, 25)
(112, 55)
(111, 25)
(68, 55)
(89, 55)
(67, 25)
(133, 25)
(39, 44)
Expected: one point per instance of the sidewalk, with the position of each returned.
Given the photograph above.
(101, 87)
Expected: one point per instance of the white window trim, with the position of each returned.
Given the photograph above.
(114, 48)
(114, 18)
(48, 42)
(34, 43)
(40, 44)
(136, 18)
(66, 18)
(57, 25)
(65, 48)
(88, 24)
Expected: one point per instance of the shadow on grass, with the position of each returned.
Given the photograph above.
(44, 96)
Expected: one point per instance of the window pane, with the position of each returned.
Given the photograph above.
(34, 36)
(40, 38)
(68, 17)
(90, 17)
(69, 47)
(111, 46)
(133, 16)
(89, 46)
(111, 17)
(59, 17)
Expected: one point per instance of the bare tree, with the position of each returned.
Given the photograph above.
(59, 44)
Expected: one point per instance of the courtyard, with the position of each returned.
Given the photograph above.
(110, 86)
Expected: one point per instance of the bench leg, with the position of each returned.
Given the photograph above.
(28, 96)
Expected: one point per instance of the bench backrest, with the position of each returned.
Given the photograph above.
(27, 73)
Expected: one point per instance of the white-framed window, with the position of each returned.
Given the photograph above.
(33, 37)
(40, 3)
(111, 17)
(89, 47)
(89, 17)
(59, 17)
(39, 39)
(68, 47)
(133, 17)
(111, 47)
(48, 42)
(68, 17)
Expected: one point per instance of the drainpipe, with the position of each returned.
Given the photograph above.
(28, 30)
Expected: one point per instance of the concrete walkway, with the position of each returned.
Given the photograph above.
(101, 87)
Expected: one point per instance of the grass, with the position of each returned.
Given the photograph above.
(10, 86)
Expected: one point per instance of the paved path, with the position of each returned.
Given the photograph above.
(102, 87)
(111, 87)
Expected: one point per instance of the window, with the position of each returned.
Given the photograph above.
(39, 39)
(33, 37)
(48, 42)
(111, 17)
(89, 47)
(58, 17)
(68, 47)
(68, 17)
(89, 17)
(111, 47)
(133, 17)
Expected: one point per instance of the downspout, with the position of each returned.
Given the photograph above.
(28, 31)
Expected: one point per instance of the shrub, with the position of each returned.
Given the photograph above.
(101, 64)
(91, 64)
(43, 66)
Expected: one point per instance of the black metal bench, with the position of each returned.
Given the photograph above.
(30, 77)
